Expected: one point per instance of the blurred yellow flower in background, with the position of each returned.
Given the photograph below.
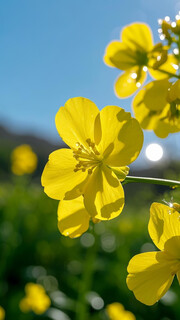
(2, 313)
(151, 273)
(116, 311)
(36, 299)
(23, 160)
(157, 107)
(135, 54)
(87, 176)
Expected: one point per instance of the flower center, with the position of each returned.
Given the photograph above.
(87, 158)
(141, 58)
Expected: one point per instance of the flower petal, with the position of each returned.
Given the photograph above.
(174, 91)
(154, 94)
(104, 195)
(75, 121)
(115, 131)
(117, 143)
(164, 127)
(59, 179)
(118, 55)
(146, 118)
(164, 224)
(120, 172)
(111, 120)
(73, 219)
(151, 109)
(178, 276)
(138, 36)
(150, 276)
(126, 84)
(169, 66)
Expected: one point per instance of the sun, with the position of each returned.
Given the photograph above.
(154, 152)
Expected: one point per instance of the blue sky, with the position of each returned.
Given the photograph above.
(51, 50)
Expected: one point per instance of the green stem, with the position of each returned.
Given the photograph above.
(85, 283)
(163, 182)
(171, 75)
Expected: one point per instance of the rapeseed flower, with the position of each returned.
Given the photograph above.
(151, 273)
(116, 311)
(135, 54)
(23, 160)
(87, 177)
(2, 313)
(36, 299)
(157, 107)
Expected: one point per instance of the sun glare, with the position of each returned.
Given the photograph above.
(154, 152)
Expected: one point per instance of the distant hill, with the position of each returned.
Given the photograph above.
(9, 140)
(39, 145)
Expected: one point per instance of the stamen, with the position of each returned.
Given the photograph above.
(86, 157)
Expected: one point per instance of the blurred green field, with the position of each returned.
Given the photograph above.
(83, 275)
(88, 272)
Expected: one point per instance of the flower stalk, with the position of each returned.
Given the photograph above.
(163, 182)
(170, 74)
(82, 307)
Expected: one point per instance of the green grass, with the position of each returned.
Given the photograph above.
(74, 272)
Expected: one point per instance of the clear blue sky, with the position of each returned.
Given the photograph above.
(51, 50)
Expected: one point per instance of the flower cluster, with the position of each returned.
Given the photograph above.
(157, 105)
(87, 177)
(23, 160)
(116, 311)
(36, 299)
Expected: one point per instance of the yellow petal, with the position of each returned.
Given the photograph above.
(118, 55)
(138, 36)
(118, 146)
(164, 224)
(174, 91)
(150, 276)
(129, 82)
(115, 131)
(164, 127)
(59, 179)
(104, 195)
(169, 66)
(120, 172)
(178, 276)
(154, 94)
(152, 109)
(73, 219)
(111, 121)
(172, 248)
(75, 121)
(144, 115)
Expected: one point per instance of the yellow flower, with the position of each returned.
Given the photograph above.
(2, 313)
(116, 311)
(151, 273)
(36, 299)
(157, 107)
(23, 160)
(135, 54)
(87, 176)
